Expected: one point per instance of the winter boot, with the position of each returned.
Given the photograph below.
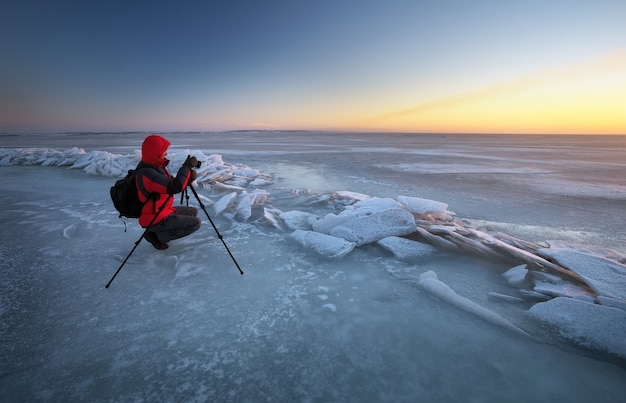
(154, 240)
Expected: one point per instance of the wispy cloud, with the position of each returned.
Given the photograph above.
(605, 64)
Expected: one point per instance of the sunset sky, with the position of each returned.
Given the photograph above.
(408, 66)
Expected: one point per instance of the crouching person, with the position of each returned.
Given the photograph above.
(156, 186)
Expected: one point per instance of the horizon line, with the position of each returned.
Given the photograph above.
(78, 132)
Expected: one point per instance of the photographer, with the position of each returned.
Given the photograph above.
(156, 185)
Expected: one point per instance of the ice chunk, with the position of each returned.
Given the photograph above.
(516, 277)
(504, 297)
(213, 161)
(605, 276)
(260, 182)
(246, 172)
(534, 295)
(322, 244)
(349, 196)
(223, 203)
(374, 204)
(423, 206)
(270, 216)
(219, 175)
(562, 289)
(553, 285)
(428, 274)
(328, 222)
(547, 277)
(431, 284)
(298, 219)
(261, 196)
(595, 326)
(405, 249)
(219, 186)
(244, 206)
(375, 226)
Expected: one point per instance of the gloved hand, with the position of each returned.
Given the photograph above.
(193, 175)
(191, 162)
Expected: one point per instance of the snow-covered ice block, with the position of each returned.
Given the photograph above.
(322, 244)
(605, 276)
(371, 205)
(423, 206)
(595, 326)
(406, 249)
(375, 226)
(298, 219)
(328, 222)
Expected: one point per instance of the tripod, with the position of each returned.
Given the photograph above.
(193, 190)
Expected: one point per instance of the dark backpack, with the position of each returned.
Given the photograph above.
(125, 198)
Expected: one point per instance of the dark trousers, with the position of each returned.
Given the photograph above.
(180, 223)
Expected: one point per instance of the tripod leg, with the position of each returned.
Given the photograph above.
(193, 190)
(125, 260)
(139, 240)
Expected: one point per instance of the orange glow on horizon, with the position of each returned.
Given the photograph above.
(583, 98)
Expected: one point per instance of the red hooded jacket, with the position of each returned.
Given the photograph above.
(154, 182)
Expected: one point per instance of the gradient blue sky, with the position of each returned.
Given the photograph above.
(466, 66)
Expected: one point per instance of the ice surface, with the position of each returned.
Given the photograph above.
(183, 325)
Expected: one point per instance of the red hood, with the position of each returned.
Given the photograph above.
(153, 148)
